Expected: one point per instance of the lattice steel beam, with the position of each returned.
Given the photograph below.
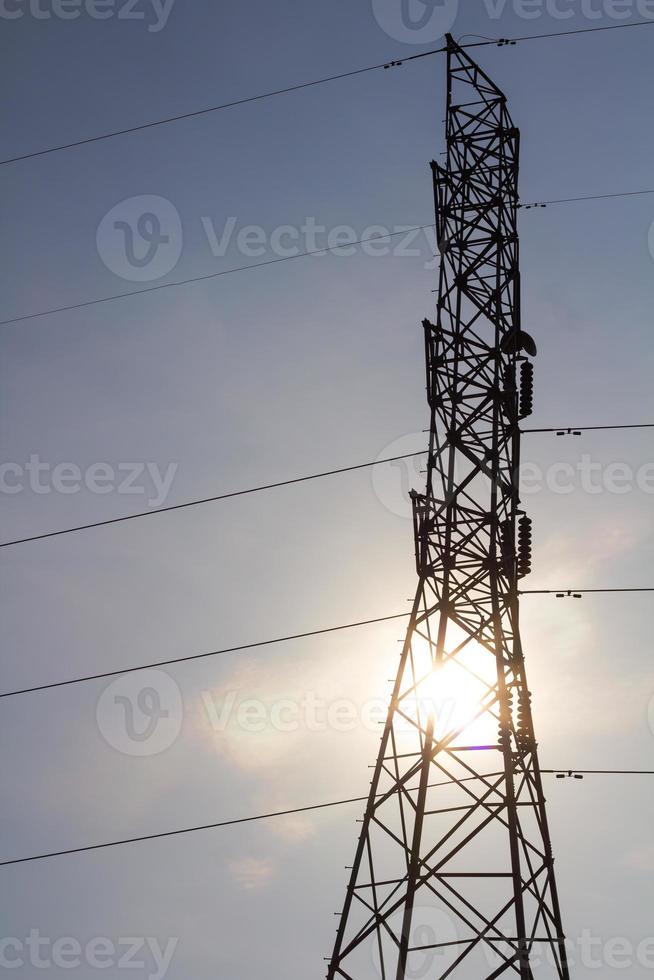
(458, 880)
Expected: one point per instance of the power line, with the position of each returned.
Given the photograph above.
(498, 42)
(567, 431)
(212, 275)
(285, 483)
(284, 639)
(184, 830)
(590, 197)
(203, 656)
(580, 593)
(276, 261)
(286, 813)
(504, 41)
(600, 772)
(209, 500)
(218, 108)
(580, 30)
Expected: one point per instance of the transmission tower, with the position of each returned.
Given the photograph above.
(453, 874)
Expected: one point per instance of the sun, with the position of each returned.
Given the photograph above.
(456, 690)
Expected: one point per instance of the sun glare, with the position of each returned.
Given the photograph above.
(455, 691)
(451, 695)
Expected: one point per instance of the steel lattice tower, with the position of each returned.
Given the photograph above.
(453, 874)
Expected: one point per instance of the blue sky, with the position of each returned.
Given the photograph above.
(264, 375)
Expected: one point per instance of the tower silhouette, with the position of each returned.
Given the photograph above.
(453, 873)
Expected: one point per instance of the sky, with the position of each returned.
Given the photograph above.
(264, 375)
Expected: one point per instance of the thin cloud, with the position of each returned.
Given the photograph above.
(252, 874)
